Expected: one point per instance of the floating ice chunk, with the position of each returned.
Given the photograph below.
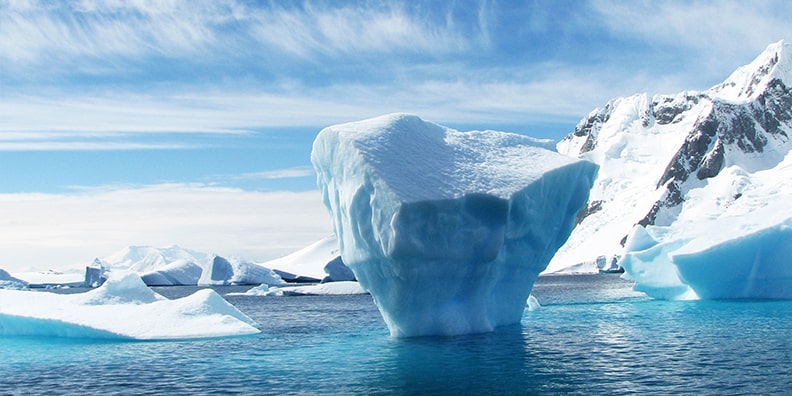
(533, 303)
(307, 264)
(337, 271)
(95, 274)
(323, 289)
(756, 265)
(221, 271)
(9, 282)
(124, 308)
(448, 230)
(177, 273)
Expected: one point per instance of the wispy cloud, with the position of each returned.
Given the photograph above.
(40, 231)
(69, 31)
(717, 36)
(288, 173)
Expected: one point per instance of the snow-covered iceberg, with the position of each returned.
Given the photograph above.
(9, 282)
(316, 262)
(721, 248)
(175, 266)
(448, 230)
(122, 308)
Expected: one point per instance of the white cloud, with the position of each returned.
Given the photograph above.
(720, 35)
(297, 171)
(74, 31)
(42, 231)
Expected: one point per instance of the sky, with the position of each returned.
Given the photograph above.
(190, 122)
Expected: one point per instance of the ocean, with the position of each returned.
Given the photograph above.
(592, 335)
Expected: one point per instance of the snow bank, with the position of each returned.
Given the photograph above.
(448, 230)
(123, 308)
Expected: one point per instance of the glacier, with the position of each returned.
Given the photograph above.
(123, 308)
(447, 230)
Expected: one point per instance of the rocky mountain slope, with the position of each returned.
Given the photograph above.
(671, 157)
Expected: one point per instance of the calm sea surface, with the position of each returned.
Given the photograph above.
(591, 336)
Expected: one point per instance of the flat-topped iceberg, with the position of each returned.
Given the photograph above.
(448, 230)
(122, 308)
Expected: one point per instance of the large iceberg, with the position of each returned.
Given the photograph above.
(448, 230)
(122, 308)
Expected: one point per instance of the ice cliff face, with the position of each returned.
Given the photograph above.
(448, 230)
(675, 165)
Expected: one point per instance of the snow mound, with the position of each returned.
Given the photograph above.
(448, 230)
(123, 308)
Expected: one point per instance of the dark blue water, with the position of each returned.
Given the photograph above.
(592, 336)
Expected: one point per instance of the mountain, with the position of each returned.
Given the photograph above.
(670, 160)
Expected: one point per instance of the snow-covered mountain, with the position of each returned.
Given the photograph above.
(672, 160)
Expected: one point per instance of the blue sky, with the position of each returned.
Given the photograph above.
(103, 100)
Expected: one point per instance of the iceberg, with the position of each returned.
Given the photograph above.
(314, 263)
(9, 282)
(177, 273)
(337, 271)
(122, 308)
(447, 230)
(718, 248)
(336, 288)
(175, 266)
(222, 271)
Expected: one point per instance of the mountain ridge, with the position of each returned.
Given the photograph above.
(654, 151)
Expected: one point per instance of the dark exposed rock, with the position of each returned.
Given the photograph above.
(590, 208)
(589, 127)
(712, 163)
(667, 110)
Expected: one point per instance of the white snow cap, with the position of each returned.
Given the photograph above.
(749, 81)
(420, 160)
